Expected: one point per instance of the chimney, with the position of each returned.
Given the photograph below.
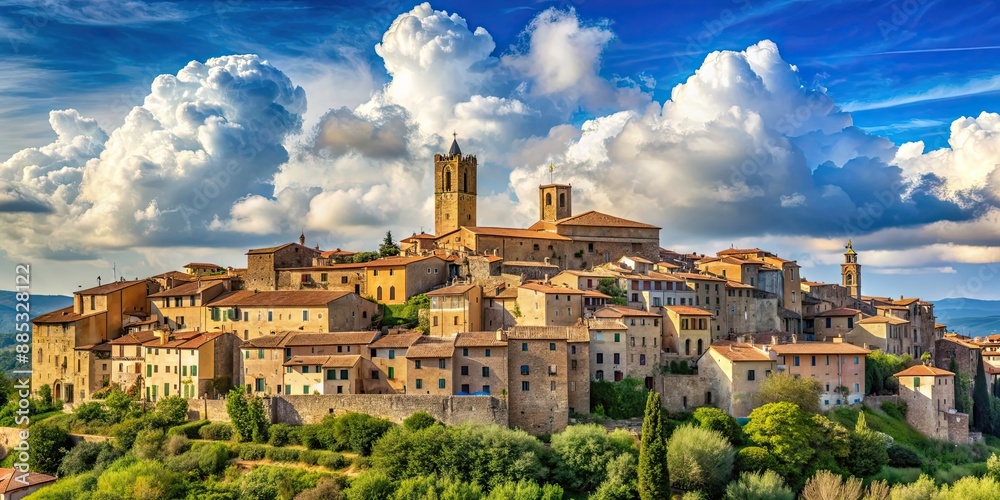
(795, 338)
(546, 279)
(838, 340)
(774, 340)
(499, 334)
(546, 260)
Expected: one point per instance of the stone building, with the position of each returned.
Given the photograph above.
(850, 271)
(385, 367)
(481, 363)
(499, 306)
(607, 348)
(318, 375)
(542, 304)
(263, 263)
(549, 376)
(839, 368)
(884, 333)
(392, 280)
(203, 269)
(70, 345)
(263, 357)
(454, 190)
(251, 314)
(687, 330)
(929, 394)
(710, 293)
(456, 308)
(835, 323)
(735, 371)
(960, 348)
(789, 289)
(127, 359)
(181, 307)
(642, 341)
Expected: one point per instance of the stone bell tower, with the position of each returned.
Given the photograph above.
(850, 271)
(454, 190)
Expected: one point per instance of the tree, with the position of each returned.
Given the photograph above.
(826, 485)
(962, 400)
(654, 479)
(48, 444)
(759, 486)
(880, 369)
(45, 394)
(802, 391)
(120, 405)
(388, 248)
(754, 459)
(623, 399)
(609, 287)
(718, 420)
(993, 466)
(247, 415)
(786, 432)
(699, 459)
(923, 488)
(868, 450)
(364, 257)
(982, 411)
(584, 452)
(81, 458)
(358, 432)
(173, 410)
(434, 488)
(620, 483)
(419, 420)
(526, 489)
(925, 357)
(832, 442)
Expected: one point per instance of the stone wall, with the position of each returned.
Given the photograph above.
(958, 428)
(210, 409)
(683, 392)
(875, 402)
(451, 410)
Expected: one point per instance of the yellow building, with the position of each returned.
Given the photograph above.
(608, 337)
(181, 307)
(315, 375)
(127, 359)
(456, 308)
(687, 330)
(190, 364)
(710, 293)
(392, 280)
(385, 370)
(430, 366)
(735, 371)
(541, 304)
(252, 314)
(884, 333)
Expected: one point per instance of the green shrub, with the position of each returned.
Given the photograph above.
(149, 443)
(332, 460)
(309, 457)
(620, 400)
(216, 431)
(81, 458)
(269, 482)
(757, 486)
(48, 445)
(282, 435)
(894, 410)
(189, 429)
(90, 412)
(371, 485)
(177, 444)
(252, 451)
(282, 454)
(718, 420)
(699, 459)
(754, 459)
(359, 432)
(172, 410)
(525, 489)
(901, 456)
(204, 459)
(419, 420)
(583, 453)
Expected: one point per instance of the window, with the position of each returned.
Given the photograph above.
(465, 351)
(590, 248)
(850, 322)
(392, 290)
(374, 374)
(305, 389)
(599, 375)
(548, 198)
(392, 354)
(552, 346)
(184, 371)
(392, 373)
(441, 364)
(600, 358)
(305, 315)
(525, 370)
(270, 315)
(524, 385)
(813, 361)
(916, 381)
(465, 370)
(487, 353)
(420, 383)
(305, 369)
(331, 374)
(751, 375)
(795, 361)
(435, 321)
(441, 384)
(486, 371)
(617, 357)
(642, 360)
(524, 346)
(416, 364)
(855, 360)
(344, 375)
(828, 322)
(618, 337)
(572, 349)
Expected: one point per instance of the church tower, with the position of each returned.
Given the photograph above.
(555, 201)
(850, 271)
(454, 190)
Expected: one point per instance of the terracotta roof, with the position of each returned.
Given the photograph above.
(905, 302)
(593, 218)
(149, 321)
(819, 348)
(279, 247)
(177, 275)
(568, 333)
(695, 276)
(667, 265)
(480, 339)
(731, 251)
(286, 298)
(396, 341)
(9, 483)
(386, 262)
(606, 324)
(109, 288)
(508, 232)
(883, 319)
(893, 307)
(839, 312)
(595, 273)
(688, 310)
(186, 340)
(102, 347)
(539, 287)
(737, 284)
(452, 290)
(595, 293)
(655, 276)
(622, 312)
(202, 265)
(940, 325)
(337, 253)
(421, 236)
(432, 347)
(190, 288)
(813, 283)
(638, 259)
(528, 263)
(991, 369)
(134, 338)
(266, 341)
(509, 292)
(333, 338)
(734, 351)
(335, 361)
(64, 315)
(923, 371)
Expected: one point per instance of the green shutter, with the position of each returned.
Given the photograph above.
(392, 373)
(184, 371)
(344, 375)
(305, 389)
(331, 374)
(194, 371)
(149, 371)
(288, 390)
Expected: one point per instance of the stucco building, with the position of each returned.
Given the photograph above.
(456, 308)
(251, 314)
(736, 371)
(839, 368)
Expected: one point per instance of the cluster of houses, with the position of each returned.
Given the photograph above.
(530, 315)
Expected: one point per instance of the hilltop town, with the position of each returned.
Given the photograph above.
(503, 325)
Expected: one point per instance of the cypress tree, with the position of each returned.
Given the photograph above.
(959, 400)
(654, 482)
(981, 409)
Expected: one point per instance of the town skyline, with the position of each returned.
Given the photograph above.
(336, 141)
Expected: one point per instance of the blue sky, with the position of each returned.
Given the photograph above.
(900, 70)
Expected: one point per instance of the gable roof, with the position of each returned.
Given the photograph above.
(480, 339)
(839, 312)
(892, 320)
(510, 232)
(541, 287)
(109, 288)
(459, 289)
(924, 371)
(595, 218)
(334, 361)
(396, 340)
(622, 312)
(257, 251)
(189, 288)
(688, 310)
(819, 348)
(134, 338)
(64, 315)
(386, 262)
(432, 347)
(266, 341)
(295, 339)
(8, 483)
(735, 351)
(201, 265)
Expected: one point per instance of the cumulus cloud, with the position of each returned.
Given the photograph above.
(204, 137)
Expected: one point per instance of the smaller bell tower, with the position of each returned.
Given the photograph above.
(850, 271)
(555, 201)
(454, 190)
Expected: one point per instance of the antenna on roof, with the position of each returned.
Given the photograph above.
(552, 169)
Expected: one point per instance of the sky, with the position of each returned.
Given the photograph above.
(139, 136)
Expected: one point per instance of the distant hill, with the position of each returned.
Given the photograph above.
(973, 317)
(40, 304)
